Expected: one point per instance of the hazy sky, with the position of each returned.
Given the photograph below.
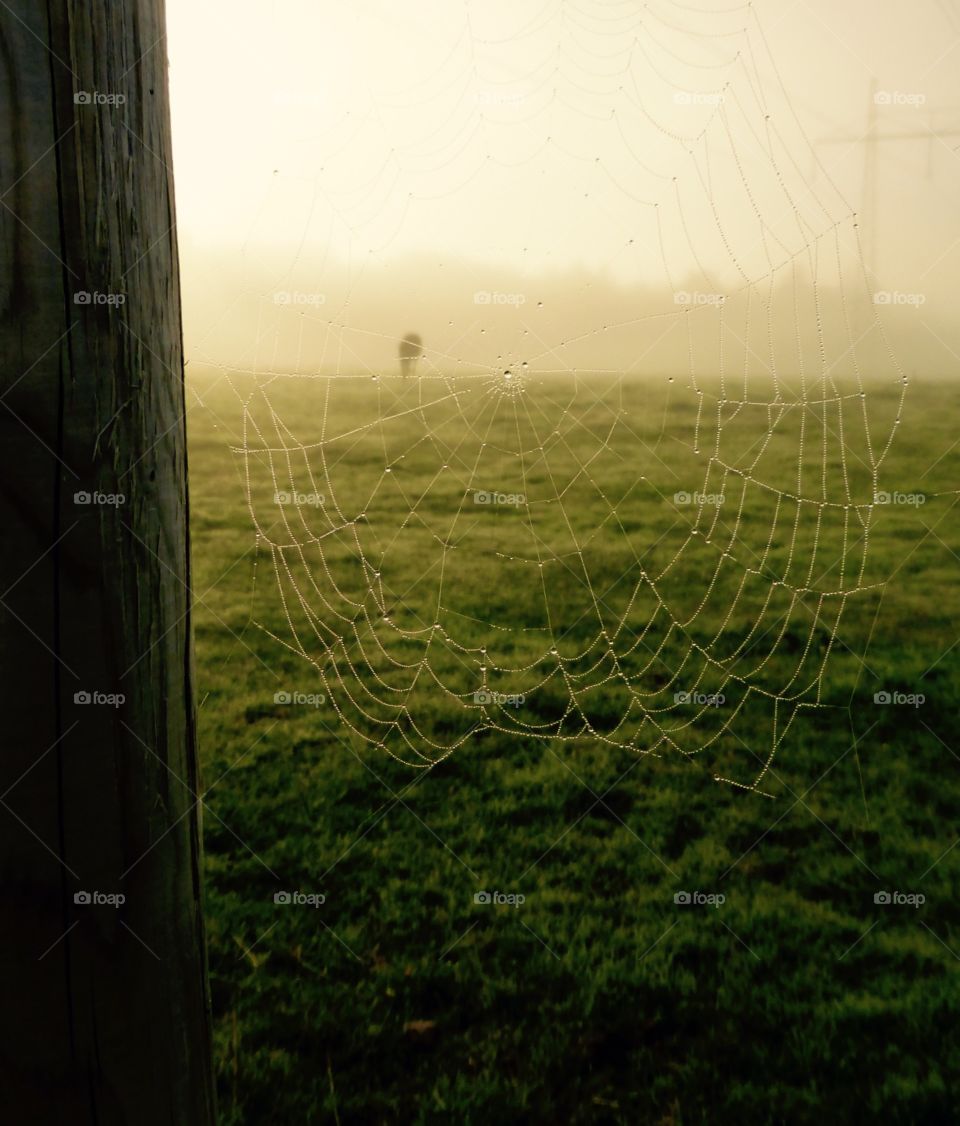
(318, 146)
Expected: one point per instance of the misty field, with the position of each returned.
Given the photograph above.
(790, 992)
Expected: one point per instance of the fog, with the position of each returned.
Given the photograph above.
(604, 187)
(475, 318)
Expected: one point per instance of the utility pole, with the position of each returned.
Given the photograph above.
(105, 1016)
(871, 141)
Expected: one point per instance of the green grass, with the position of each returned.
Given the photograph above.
(597, 1000)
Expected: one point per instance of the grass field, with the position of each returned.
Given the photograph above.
(597, 999)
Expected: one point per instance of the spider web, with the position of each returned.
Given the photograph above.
(655, 553)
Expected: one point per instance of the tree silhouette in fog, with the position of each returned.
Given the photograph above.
(411, 349)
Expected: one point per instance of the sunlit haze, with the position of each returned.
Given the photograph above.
(345, 173)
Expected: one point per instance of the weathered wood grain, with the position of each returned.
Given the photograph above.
(106, 1009)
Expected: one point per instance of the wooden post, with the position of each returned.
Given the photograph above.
(105, 1013)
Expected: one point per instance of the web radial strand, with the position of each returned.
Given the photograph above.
(639, 521)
